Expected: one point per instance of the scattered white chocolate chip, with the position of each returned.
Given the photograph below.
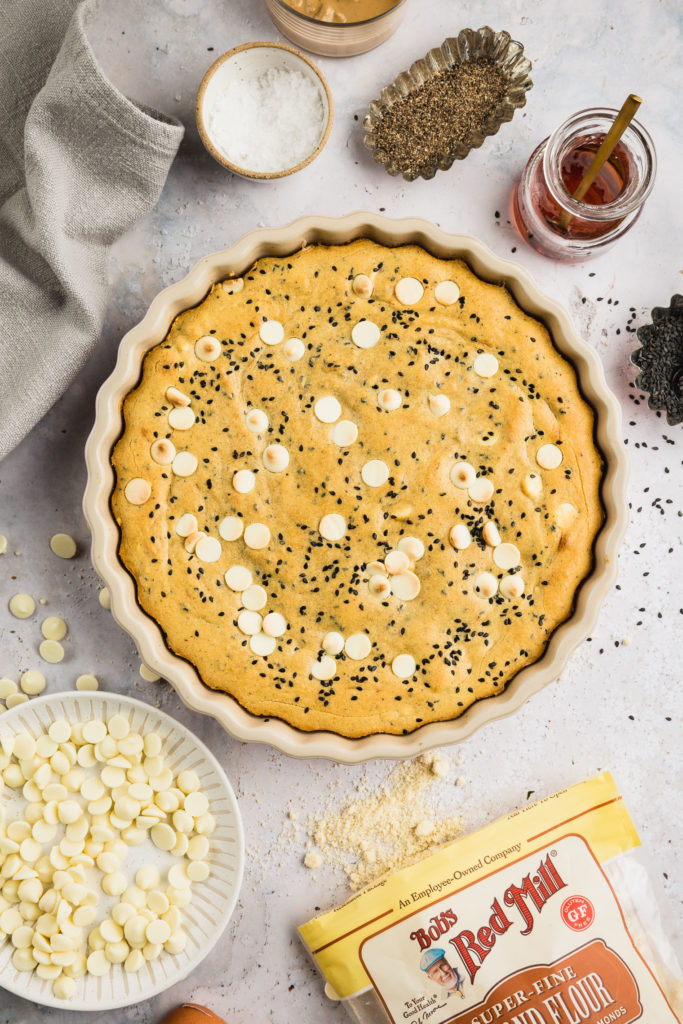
(137, 491)
(233, 285)
(254, 598)
(244, 481)
(389, 399)
(344, 433)
(148, 674)
(276, 458)
(192, 540)
(271, 332)
(327, 409)
(512, 586)
(184, 464)
(274, 624)
(32, 682)
(163, 452)
(262, 644)
(104, 597)
(532, 485)
(51, 651)
(379, 585)
(486, 584)
(549, 456)
(485, 365)
(463, 475)
(207, 348)
(481, 490)
(257, 536)
(375, 473)
(15, 699)
(22, 606)
(332, 526)
(460, 537)
(396, 561)
(8, 686)
(324, 668)
(238, 577)
(231, 528)
(374, 567)
(87, 682)
(405, 586)
(365, 334)
(489, 532)
(413, 548)
(357, 646)
(3, 544)
(256, 421)
(177, 397)
(565, 514)
(181, 417)
(408, 291)
(186, 525)
(333, 643)
(439, 405)
(446, 293)
(249, 622)
(63, 545)
(362, 285)
(403, 666)
(506, 556)
(208, 549)
(294, 349)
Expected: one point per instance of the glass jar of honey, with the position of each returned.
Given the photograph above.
(544, 209)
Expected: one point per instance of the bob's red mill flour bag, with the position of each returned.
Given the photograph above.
(545, 916)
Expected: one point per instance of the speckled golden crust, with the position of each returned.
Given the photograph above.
(467, 648)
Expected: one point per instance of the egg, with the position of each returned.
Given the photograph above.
(192, 1013)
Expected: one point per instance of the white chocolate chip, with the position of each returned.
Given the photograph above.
(208, 549)
(184, 464)
(186, 525)
(87, 682)
(357, 646)
(3, 544)
(405, 586)
(294, 349)
(177, 397)
(181, 418)
(532, 485)
(332, 526)
(327, 409)
(485, 365)
(22, 606)
(7, 686)
(256, 421)
(262, 644)
(104, 597)
(439, 405)
(375, 473)
(389, 399)
(15, 699)
(403, 666)
(549, 456)
(396, 561)
(372, 568)
(192, 540)
(512, 586)
(274, 624)
(506, 556)
(344, 433)
(481, 490)
(565, 514)
(276, 458)
(365, 334)
(238, 577)
(413, 548)
(362, 285)
(137, 491)
(51, 651)
(324, 668)
(254, 598)
(446, 293)
(379, 586)
(63, 545)
(408, 291)
(32, 682)
(489, 532)
(207, 348)
(233, 285)
(463, 475)
(230, 528)
(257, 536)
(333, 643)
(163, 452)
(244, 481)
(271, 332)
(486, 584)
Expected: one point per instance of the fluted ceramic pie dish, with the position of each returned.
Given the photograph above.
(109, 424)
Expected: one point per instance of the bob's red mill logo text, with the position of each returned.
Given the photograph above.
(527, 898)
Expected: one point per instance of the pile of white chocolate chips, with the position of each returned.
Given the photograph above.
(92, 790)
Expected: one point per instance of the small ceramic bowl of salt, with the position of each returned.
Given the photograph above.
(264, 110)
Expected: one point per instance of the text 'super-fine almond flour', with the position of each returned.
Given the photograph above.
(544, 917)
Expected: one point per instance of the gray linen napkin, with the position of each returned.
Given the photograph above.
(79, 165)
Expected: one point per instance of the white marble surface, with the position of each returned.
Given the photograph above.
(618, 704)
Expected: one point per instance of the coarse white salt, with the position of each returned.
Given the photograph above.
(266, 123)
